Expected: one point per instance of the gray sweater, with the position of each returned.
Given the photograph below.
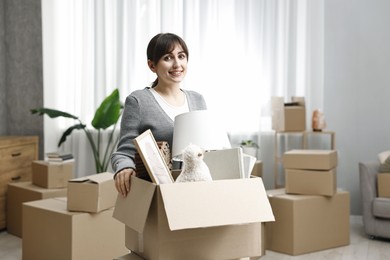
(142, 112)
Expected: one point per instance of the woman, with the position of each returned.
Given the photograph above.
(155, 107)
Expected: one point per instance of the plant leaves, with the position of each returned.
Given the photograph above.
(69, 131)
(53, 113)
(108, 112)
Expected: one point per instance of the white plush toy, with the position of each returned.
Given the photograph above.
(194, 168)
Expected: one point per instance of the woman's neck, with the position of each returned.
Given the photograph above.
(171, 94)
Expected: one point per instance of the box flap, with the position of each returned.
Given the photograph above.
(95, 178)
(133, 210)
(216, 203)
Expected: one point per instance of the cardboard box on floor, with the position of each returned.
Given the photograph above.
(288, 117)
(50, 232)
(199, 220)
(307, 223)
(311, 182)
(92, 193)
(21, 192)
(129, 256)
(310, 159)
(383, 185)
(52, 175)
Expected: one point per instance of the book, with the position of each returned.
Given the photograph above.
(225, 163)
(59, 157)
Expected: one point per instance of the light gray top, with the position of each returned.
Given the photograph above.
(142, 112)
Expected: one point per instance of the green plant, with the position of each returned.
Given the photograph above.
(249, 143)
(107, 114)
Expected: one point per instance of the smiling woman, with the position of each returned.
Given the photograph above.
(242, 53)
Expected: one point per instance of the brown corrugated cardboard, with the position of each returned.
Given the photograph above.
(307, 223)
(19, 193)
(288, 118)
(384, 185)
(50, 231)
(257, 169)
(129, 256)
(92, 193)
(199, 220)
(311, 182)
(310, 159)
(52, 175)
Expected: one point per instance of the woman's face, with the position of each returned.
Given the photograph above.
(172, 67)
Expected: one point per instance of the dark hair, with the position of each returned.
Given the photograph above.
(162, 44)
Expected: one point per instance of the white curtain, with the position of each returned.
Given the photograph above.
(242, 52)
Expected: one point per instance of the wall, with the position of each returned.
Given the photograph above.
(21, 70)
(3, 89)
(357, 79)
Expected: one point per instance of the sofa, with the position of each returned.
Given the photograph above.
(376, 211)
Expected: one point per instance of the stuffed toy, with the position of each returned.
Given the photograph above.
(194, 168)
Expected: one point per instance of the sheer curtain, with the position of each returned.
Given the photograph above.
(242, 52)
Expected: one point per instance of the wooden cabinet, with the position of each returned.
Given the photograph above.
(16, 155)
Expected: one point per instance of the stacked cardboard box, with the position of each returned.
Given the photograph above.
(49, 180)
(310, 213)
(290, 116)
(221, 219)
(80, 226)
(310, 172)
(384, 185)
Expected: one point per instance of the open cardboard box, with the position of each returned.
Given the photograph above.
(196, 220)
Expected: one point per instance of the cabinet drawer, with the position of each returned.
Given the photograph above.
(22, 174)
(17, 157)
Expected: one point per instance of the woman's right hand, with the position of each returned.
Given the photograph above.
(123, 181)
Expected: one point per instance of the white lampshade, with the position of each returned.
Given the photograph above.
(201, 128)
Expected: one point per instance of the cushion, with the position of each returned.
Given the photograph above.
(381, 207)
(385, 166)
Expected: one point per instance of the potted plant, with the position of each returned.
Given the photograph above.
(249, 147)
(107, 115)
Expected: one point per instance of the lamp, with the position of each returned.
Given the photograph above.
(198, 127)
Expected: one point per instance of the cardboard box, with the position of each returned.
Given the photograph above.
(52, 175)
(383, 185)
(307, 223)
(21, 192)
(129, 256)
(257, 169)
(288, 116)
(311, 182)
(310, 159)
(196, 220)
(50, 231)
(92, 193)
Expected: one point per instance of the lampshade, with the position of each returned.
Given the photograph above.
(201, 128)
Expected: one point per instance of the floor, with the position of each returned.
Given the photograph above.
(361, 247)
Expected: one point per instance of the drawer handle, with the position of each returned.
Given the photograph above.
(16, 178)
(16, 154)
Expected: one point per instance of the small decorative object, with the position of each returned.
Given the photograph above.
(194, 168)
(318, 121)
(249, 147)
(152, 158)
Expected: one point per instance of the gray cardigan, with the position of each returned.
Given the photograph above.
(142, 112)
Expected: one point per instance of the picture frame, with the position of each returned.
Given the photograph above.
(152, 158)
